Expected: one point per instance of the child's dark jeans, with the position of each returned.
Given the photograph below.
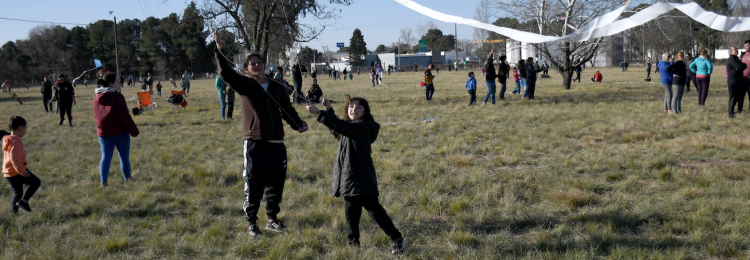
(353, 211)
(16, 184)
(473, 94)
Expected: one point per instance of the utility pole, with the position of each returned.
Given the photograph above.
(398, 47)
(117, 53)
(455, 30)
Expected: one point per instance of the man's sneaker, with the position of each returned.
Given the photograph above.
(397, 246)
(254, 231)
(14, 210)
(275, 225)
(104, 184)
(24, 205)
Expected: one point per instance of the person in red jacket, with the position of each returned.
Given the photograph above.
(597, 77)
(113, 125)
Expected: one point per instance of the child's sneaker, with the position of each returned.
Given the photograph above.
(275, 225)
(254, 231)
(397, 246)
(24, 205)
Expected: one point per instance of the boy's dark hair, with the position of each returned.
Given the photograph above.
(746, 42)
(471, 73)
(107, 79)
(503, 57)
(247, 61)
(16, 122)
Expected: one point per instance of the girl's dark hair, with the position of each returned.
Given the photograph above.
(15, 122)
(471, 73)
(362, 102)
(313, 87)
(520, 63)
(107, 79)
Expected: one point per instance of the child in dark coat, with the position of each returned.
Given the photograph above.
(353, 171)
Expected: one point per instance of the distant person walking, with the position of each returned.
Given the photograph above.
(666, 81)
(489, 77)
(471, 86)
(372, 77)
(46, 94)
(702, 68)
(344, 73)
(221, 87)
(648, 68)
(428, 81)
(517, 80)
(502, 75)
(185, 81)
(531, 72)
(314, 76)
(114, 126)
(735, 70)
(745, 81)
(679, 74)
(66, 97)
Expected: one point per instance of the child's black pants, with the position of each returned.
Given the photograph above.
(264, 173)
(230, 109)
(353, 210)
(16, 184)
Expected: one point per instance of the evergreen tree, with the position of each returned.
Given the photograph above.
(357, 48)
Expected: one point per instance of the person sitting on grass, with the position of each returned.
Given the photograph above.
(14, 166)
(314, 93)
(354, 175)
(597, 77)
(471, 86)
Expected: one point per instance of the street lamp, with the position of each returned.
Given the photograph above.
(399, 53)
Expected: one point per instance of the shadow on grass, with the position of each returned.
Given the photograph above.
(533, 233)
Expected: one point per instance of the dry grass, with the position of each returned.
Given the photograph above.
(594, 172)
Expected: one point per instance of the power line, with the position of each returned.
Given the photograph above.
(31, 21)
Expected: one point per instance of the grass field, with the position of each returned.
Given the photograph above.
(594, 172)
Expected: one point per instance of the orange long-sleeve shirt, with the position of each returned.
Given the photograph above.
(14, 156)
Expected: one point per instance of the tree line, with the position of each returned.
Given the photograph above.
(165, 47)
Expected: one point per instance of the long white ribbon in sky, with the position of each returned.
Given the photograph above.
(603, 26)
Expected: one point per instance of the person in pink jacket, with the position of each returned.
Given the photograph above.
(14, 165)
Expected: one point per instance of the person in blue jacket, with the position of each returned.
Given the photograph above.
(666, 81)
(471, 86)
(702, 68)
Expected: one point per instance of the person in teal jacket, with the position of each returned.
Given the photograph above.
(702, 69)
(222, 88)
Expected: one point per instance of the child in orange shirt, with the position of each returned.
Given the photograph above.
(14, 165)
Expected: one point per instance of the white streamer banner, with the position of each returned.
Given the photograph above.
(605, 25)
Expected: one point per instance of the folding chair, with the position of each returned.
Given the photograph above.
(184, 102)
(144, 102)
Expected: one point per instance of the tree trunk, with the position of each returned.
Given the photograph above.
(567, 76)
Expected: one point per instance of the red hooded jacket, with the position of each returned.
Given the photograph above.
(112, 115)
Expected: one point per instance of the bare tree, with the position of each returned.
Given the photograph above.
(407, 36)
(482, 14)
(422, 29)
(268, 26)
(563, 56)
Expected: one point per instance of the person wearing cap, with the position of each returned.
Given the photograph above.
(65, 99)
